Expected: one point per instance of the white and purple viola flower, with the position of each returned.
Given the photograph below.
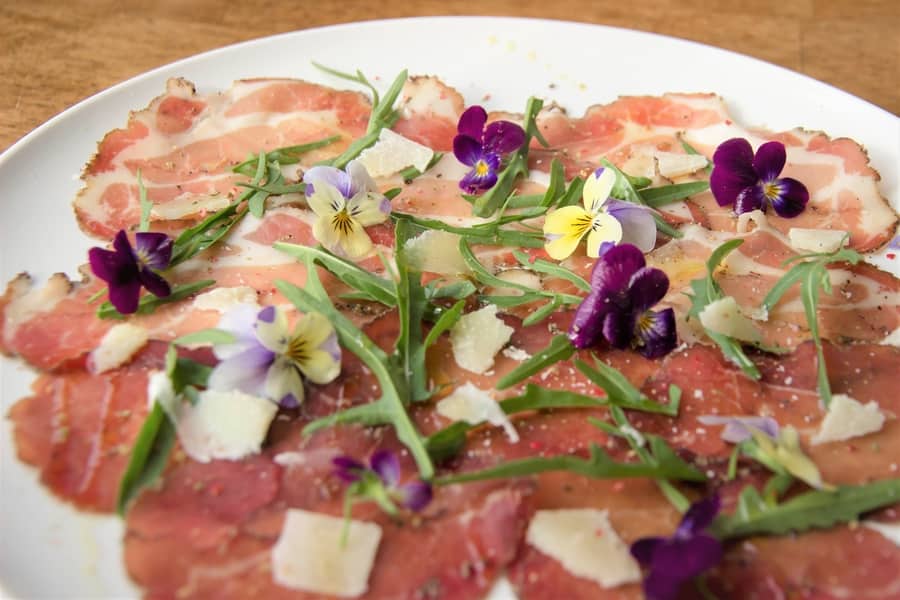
(380, 482)
(269, 360)
(617, 309)
(604, 220)
(346, 202)
(740, 429)
(483, 148)
(688, 553)
(127, 269)
(750, 181)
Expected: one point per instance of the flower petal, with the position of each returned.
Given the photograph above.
(283, 383)
(614, 270)
(685, 559)
(125, 295)
(326, 200)
(369, 208)
(791, 199)
(503, 137)
(154, 282)
(647, 287)
(347, 468)
(769, 160)
(604, 228)
(111, 267)
(246, 371)
(700, 515)
(658, 586)
(732, 170)
(356, 242)
(337, 179)
(587, 326)
(750, 199)
(471, 122)
(240, 321)
(638, 225)
(386, 466)
(153, 249)
(642, 550)
(656, 335)
(738, 429)
(618, 329)
(272, 329)
(467, 150)
(474, 181)
(415, 495)
(360, 180)
(597, 188)
(326, 235)
(320, 367)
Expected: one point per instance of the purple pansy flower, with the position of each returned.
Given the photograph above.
(380, 481)
(269, 360)
(685, 555)
(128, 269)
(623, 289)
(750, 181)
(740, 429)
(483, 148)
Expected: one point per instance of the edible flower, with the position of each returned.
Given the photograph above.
(740, 429)
(126, 270)
(604, 220)
(267, 359)
(623, 289)
(380, 482)
(483, 148)
(688, 553)
(346, 202)
(750, 181)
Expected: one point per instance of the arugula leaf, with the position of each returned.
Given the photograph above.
(559, 348)
(154, 442)
(660, 196)
(146, 205)
(205, 336)
(599, 465)
(383, 115)
(390, 407)
(811, 271)
(691, 150)
(490, 233)
(552, 269)
(457, 290)
(287, 155)
(706, 290)
(814, 509)
(207, 232)
(488, 203)
(149, 456)
(149, 303)
(557, 186)
(621, 393)
(409, 353)
(445, 322)
(369, 285)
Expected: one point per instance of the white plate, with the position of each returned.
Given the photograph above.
(49, 550)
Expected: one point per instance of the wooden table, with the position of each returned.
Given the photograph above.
(55, 53)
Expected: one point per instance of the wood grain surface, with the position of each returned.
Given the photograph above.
(55, 53)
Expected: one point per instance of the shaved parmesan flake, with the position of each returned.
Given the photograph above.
(891, 531)
(477, 337)
(848, 418)
(159, 389)
(473, 405)
(516, 276)
(816, 240)
(724, 316)
(436, 251)
(224, 298)
(675, 165)
(117, 347)
(585, 544)
(310, 555)
(392, 153)
(223, 425)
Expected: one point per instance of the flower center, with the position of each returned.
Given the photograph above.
(297, 350)
(342, 222)
(482, 168)
(771, 190)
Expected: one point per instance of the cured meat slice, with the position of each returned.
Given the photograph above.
(184, 146)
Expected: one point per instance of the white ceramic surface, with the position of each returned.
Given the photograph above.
(49, 550)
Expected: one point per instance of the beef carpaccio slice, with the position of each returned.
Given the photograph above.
(207, 529)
